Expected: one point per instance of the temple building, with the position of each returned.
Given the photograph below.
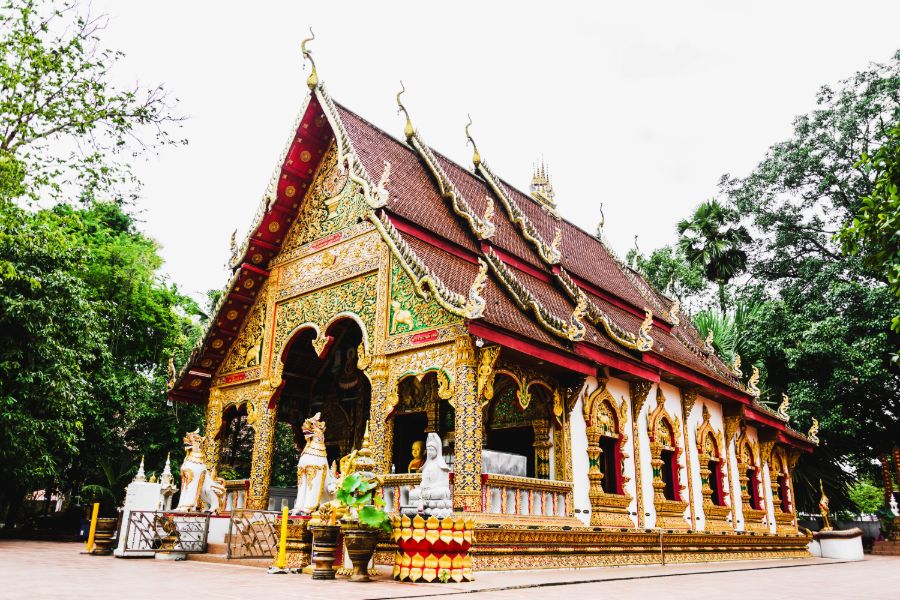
(581, 413)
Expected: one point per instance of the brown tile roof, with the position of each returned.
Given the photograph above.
(414, 196)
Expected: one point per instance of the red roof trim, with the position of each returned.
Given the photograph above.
(795, 442)
(513, 261)
(253, 269)
(614, 300)
(430, 238)
(696, 378)
(611, 360)
(560, 359)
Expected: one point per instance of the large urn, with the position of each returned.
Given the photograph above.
(433, 549)
(324, 547)
(360, 546)
(103, 537)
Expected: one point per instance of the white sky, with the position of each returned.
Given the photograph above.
(642, 106)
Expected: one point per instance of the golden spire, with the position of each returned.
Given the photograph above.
(408, 129)
(476, 157)
(313, 80)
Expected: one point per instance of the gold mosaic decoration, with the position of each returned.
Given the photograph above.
(408, 311)
(246, 349)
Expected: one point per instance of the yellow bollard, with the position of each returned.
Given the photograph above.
(90, 540)
(282, 543)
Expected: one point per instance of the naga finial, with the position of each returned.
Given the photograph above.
(476, 157)
(708, 342)
(753, 383)
(408, 130)
(601, 223)
(813, 433)
(674, 311)
(645, 341)
(783, 407)
(736, 366)
(313, 80)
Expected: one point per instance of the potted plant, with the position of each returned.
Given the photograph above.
(367, 519)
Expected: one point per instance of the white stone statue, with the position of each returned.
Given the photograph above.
(894, 506)
(200, 490)
(432, 498)
(313, 475)
(167, 486)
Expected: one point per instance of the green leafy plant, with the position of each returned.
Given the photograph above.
(358, 492)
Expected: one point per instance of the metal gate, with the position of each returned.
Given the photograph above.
(161, 531)
(253, 533)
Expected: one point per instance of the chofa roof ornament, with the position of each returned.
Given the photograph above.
(313, 80)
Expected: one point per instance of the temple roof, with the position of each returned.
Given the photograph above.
(551, 285)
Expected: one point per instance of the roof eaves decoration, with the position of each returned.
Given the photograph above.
(376, 195)
(642, 341)
(480, 226)
(549, 253)
(573, 330)
(426, 283)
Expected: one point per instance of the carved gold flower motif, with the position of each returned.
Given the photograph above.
(231, 315)
(217, 343)
(274, 226)
(289, 191)
(195, 382)
(249, 283)
(256, 258)
(305, 156)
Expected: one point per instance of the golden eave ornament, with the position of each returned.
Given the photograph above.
(313, 80)
(476, 157)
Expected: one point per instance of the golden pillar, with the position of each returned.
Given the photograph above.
(688, 399)
(639, 391)
(211, 445)
(542, 447)
(262, 418)
(468, 431)
(381, 433)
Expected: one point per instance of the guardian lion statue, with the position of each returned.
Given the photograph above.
(315, 482)
(200, 490)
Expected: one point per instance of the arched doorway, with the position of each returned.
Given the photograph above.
(331, 384)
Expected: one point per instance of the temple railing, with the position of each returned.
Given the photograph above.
(500, 494)
(252, 533)
(236, 494)
(510, 495)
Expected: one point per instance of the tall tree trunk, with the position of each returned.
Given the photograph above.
(722, 297)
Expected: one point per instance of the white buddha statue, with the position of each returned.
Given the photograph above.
(432, 498)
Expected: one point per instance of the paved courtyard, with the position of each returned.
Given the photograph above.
(37, 570)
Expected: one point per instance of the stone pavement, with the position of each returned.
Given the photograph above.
(37, 570)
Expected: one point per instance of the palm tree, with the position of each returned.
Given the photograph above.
(712, 240)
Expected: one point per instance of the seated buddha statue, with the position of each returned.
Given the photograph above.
(432, 498)
(415, 465)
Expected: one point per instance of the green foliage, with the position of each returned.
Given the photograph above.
(730, 329)
(66, 131)
(86, 328)
(867, 498)
(359, 492)
(713, 240)
(874, 231)
(667, 269)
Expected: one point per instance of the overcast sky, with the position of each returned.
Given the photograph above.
(640, 105)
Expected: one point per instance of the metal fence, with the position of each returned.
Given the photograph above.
(161, 531)
(253, 533)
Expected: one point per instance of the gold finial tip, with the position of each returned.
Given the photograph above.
(476, 157)
(408, 129)
(313, 80)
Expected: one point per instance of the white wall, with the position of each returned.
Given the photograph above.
(580, 483)
(620, 390)
(717, 422)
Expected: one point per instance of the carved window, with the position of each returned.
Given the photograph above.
(784, 492)
(610, 464)
(716, 481)
(753, 488)
(669, 473)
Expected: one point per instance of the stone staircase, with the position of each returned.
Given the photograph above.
(218, 553)
(886, 548)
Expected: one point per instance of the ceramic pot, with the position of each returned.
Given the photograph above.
(324, 545)
(360, 546)
(103, 537)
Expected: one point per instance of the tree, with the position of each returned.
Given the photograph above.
(86, 329)
(66, 130)
(713, 240)
(730, 330)
(667, 269)
(874, 231)
(867, 498)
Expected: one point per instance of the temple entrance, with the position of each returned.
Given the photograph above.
(236, 444)
(418, 412)
(331, 384)
(512, 431)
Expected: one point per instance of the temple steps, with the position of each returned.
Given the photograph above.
(218, 553)
(886, 548)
